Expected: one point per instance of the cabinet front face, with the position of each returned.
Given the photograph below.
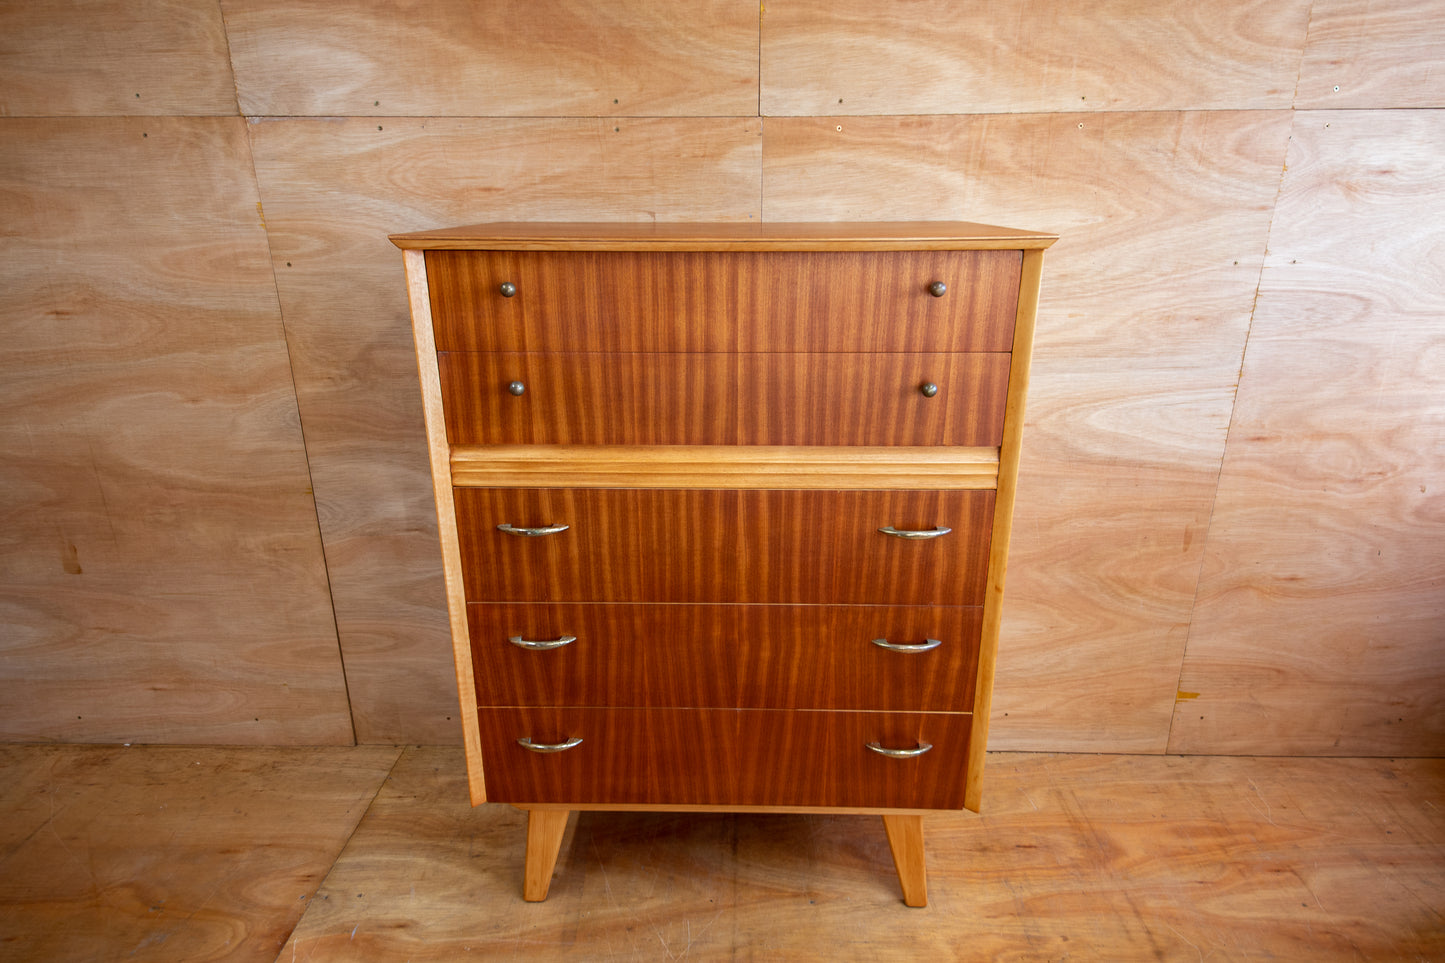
(792, 301)
(895, 658)
(725, 757)
(666, 546)
(806, 621)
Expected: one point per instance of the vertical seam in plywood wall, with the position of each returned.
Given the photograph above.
(1228, 432)
(762, 138)
(295, 396)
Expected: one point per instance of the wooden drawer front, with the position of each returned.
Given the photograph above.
(724, 656)
(624, 655)
(716, 399)
(684, 545)
(824, 657)
(723, 301)
(725, 757)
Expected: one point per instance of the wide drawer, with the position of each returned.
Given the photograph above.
(690, 545)
(725, 757)
(723, 301)
(719, 399)
(726, 656)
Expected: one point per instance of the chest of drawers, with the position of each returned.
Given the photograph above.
(724, 510)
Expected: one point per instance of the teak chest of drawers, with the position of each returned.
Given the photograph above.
(724, 510)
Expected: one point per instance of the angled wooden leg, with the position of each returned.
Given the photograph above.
(905, 838)
(545, 828)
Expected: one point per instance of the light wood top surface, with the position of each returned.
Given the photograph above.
(726, 236)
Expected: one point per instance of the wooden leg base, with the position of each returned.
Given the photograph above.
(905, 838)
(545, 828)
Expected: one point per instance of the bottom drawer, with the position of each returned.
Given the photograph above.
(740, 757)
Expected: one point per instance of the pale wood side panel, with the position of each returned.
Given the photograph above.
(528, 58)
(333, 191)
(66, 58)
(162, 577)
(1015, 56)
(439, 457)
(1321, 614)
(1362, 54)
(1133, 376)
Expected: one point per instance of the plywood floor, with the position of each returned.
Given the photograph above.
(144, 853)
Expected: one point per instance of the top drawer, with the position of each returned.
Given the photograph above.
(724, 301)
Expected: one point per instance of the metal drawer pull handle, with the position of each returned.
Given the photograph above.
(557, 643)
(526, 743)
(917, 750)
(914, 533)
(508, 289)
(532, 532)
(923, 646)
(938, 289)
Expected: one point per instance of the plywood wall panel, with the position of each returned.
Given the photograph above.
(510, 58)
(161, 577)
(333, 191)
(1321, 615)
(1009, 56)
(1146, 301)
(1363, 53)
(108, 57)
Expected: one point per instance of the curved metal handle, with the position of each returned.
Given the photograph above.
(532, 532)
(516, 388)
(924, 646)
(527, 743)
(916, 751)
(938, 289)
(542, 644)
(915, 533)
(508, 289)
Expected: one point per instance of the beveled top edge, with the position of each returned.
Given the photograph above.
(725, 236)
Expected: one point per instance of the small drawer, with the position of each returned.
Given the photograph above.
(871, 657)
(849, 301)
(691, 545)
(574, 398)
(618, 655)
(725, 757)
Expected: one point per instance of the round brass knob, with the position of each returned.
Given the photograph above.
(938, 289)
(508, 289)
(516, 387)
(929, 390)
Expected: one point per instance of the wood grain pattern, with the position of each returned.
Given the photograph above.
(724, 656)
(162, 577)
(714, 466)
(168, 853)
(70, 58)
(624, 655)
(514, 57)
(1316, 859)
(723, 756)
(333, 190)
(573, 398)
(905, 843)
(1373, 55)
(1023, 56)
(771, 301)
(1132, 383)
(446, 513)
(724, 546)
(545, 829)
(1321, 611)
